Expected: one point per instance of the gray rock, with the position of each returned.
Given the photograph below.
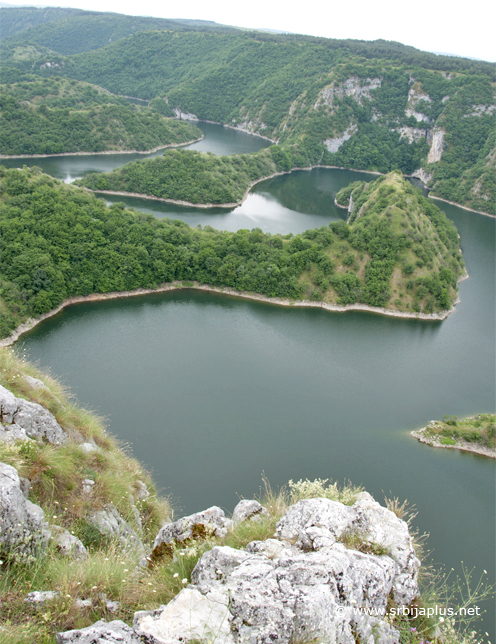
(189, 616)
(82, 604)
(8, 405)
(23, 530)
(110, 524)
(88, 448)
(116, 632)
(88, 486)
(247, 509)
(200, 525)
(112, 607)
(67, 544)
(35, 383)
(312, 524)
(12, 433)
(39, 423)
(141, 492)
(304, 586)
(25, 486)
(40, 597)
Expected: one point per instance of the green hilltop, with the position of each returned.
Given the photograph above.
(399, 251)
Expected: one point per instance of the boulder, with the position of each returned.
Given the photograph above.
(116, 632)
(24, 419)
(141, 493)
(248, 509)
(67, 544)
(196, 526)
(8, 405)
(110, 524)
(39, 423)
(23, 530)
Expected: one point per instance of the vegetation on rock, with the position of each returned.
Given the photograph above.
(476, 432)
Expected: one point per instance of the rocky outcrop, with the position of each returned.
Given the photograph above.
(413, 134)
(328, 566)
(23, 531)
(67, 544)
(357, 88)
(185, 116)
(416, 96)
(333, 145)
(436, 150)
(424, 176)
(22, 419)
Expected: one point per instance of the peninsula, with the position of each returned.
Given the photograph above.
(398, 254)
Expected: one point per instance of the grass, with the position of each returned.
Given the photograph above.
(476, 430)
(110, 574)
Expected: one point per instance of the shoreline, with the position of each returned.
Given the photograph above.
(82, 154)
(453, 203)
(270, 176)
(463, 446)
(31, 323)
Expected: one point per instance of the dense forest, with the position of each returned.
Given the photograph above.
(187, 175)
(51, 116)
(399, 250)
(368, 105)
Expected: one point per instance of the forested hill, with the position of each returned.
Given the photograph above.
(400, 251)
(55, 115)
(72, 31)
(369, 105)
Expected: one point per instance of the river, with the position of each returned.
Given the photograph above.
(211, 391)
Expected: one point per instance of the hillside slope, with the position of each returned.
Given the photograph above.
(52, 116)
(399, 252)
(377, 106)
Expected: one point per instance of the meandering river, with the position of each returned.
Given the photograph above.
(211, 391)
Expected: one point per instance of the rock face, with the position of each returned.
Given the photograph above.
(23, 530)
(22, 419)
(333, 145)
(303, 585)
(436, 150)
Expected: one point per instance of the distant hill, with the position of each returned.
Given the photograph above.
(72, 31)
(371, 105)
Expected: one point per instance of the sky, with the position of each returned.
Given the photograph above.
(440, 26)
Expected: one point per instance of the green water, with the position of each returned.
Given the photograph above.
(212, 391)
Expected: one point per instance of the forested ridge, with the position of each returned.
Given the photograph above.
(369, 105)
(58, 241)
(55, 115)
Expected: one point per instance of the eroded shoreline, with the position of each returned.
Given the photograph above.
(174, 286)
(476, 448)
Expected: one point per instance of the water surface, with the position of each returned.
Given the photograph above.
(211, 391)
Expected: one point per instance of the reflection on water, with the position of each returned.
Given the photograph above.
(217, 139)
